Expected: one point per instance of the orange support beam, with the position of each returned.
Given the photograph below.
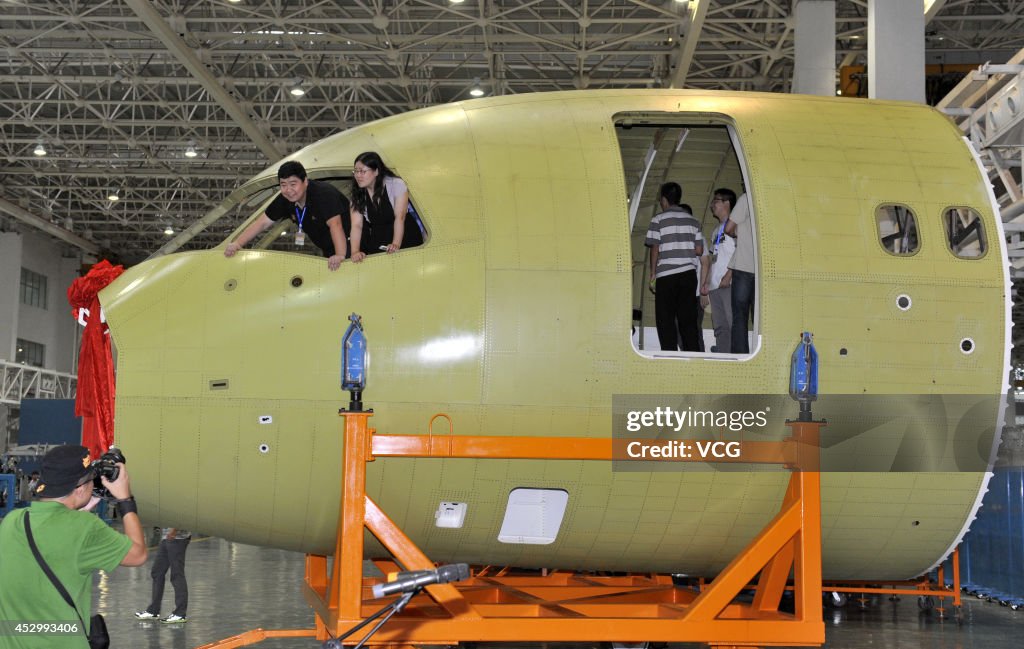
(348, 554)
(257, 635)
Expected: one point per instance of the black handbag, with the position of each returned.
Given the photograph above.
(97, 636)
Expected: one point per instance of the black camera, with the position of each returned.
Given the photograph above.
(106, 466)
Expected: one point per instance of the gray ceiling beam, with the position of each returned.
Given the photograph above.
(218, 170)
(329, 81)
(129, 166)
(187, 57)
(190, 124)
(932, 8)
(191, 232)
(688, 47)
(49, 228)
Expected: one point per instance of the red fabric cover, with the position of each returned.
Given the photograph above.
(94, 400)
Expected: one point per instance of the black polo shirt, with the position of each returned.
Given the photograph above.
(323, 201)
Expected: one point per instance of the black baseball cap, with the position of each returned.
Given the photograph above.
(64, 468)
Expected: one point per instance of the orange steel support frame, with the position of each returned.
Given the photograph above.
(561, 606)
(932, 594)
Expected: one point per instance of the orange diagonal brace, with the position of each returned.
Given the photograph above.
(773, 579)
(748, 563)
(410, 556)
(257, 635)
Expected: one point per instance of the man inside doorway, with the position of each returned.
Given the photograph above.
(676, 245)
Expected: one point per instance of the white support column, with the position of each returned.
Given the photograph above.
(814, 72)
(896, 50)
(10, 292)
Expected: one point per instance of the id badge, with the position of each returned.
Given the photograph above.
(300, 238)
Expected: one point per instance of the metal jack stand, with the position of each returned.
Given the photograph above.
(391, 608)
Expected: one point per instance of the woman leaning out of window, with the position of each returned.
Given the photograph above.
(380, 205)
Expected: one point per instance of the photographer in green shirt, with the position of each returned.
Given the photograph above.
(71, 541)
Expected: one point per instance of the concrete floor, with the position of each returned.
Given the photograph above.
(234, 588)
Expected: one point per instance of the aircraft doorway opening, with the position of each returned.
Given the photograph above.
(699, 153)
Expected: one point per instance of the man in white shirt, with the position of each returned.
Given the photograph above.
(742, 266)
(716, 284)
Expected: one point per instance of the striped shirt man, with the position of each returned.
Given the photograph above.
(676, 247)
(678, 239)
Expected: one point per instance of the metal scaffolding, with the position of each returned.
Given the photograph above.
(988, 106)
(27, 382)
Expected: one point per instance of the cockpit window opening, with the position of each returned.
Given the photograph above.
(964, 232)
(700, 152)
(281, 236)
(897, 229)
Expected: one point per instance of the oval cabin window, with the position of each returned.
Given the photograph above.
(897, 229)
(964, 232)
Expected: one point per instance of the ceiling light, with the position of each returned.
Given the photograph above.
(190, 150)
(40, 150)
(112, 196)
(297, 90)
(169, 230)
(456, 2)
(235, 1)
(68, 222)
(476, 90)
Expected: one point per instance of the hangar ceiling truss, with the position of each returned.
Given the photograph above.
(118, 92)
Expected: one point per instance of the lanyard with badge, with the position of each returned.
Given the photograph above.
(719, 235)
(300, 236)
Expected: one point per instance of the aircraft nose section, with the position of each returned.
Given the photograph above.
(217, 359)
